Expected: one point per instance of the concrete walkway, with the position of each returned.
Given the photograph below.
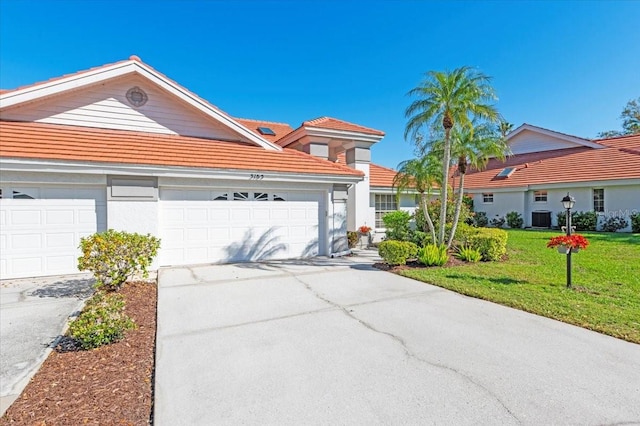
(33, 313)
(338, 342)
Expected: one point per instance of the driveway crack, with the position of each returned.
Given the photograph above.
(348, 312)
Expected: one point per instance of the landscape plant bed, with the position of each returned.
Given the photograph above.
(108, 385)
(606, 285)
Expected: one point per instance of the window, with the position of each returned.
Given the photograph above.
(18, 195)
(598, 200)
(540, 196)
(506, 172)
(248, 196)
(487, 197)
(385, 203)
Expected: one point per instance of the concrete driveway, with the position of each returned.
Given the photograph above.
(33, 313)
(338, 342)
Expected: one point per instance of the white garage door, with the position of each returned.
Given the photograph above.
(40, 237)
(199, 226)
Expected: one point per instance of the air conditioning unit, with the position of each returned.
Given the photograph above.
(541, 219)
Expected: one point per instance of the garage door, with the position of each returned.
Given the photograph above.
(198, 226)
(40, 237)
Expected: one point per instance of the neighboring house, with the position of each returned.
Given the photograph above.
(122, 146)
(602, 175)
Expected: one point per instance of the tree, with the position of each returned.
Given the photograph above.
(445, 99)
(473, 148)
(420, 174)
(504, 127)
(630, 121)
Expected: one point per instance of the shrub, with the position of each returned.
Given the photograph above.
(480, 219)
(468, 254)
(514, 220)
(433, 255)
(397, 225)
(419, 238)
(394, 252)
(635, 222)
(497, 222)
(115, 256)
(412, 249)
(614, 223)
(491, 243)
(101, 322)
(434, 211)
(353, 238)
(582, 221)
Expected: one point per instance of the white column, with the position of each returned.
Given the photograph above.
(358, 203)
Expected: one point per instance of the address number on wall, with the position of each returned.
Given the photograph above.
(254, 176)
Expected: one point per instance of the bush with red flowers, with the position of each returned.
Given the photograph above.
(570, 241)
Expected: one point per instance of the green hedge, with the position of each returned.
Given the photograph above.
(490, 242)
(397, 252)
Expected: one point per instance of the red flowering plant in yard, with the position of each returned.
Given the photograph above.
(364, 229)
(575, 241)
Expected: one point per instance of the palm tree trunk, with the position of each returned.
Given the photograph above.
(427, 216)
(456, 216)
(445, 182)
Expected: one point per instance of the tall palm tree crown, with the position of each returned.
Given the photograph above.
(448, 99)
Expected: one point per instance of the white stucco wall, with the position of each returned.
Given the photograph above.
(358, 203)
(503, 203)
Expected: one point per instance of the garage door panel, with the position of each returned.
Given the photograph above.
(59, 240)
(59, 217)
(60, 264)
(41, 237)
(241, 230)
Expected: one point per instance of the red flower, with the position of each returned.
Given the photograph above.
(569, 241)
(364, 229)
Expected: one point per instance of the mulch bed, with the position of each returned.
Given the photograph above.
(413, 264)
(110, 385)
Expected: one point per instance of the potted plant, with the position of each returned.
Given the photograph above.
(564, 243)
(365, 233)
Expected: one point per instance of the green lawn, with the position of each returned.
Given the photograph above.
(606, 280)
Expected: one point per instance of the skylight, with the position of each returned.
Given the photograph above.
(506, 172)
(266, 131)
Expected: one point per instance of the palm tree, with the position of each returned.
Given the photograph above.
(447, 99)
(473, 148)
(420, 174)
(504, 127)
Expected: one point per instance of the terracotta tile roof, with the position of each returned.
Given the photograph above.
(620, 159)
(280, 129)
(335, 124)
(381, 176)
(70, 143)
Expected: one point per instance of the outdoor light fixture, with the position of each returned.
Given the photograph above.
(568, 202)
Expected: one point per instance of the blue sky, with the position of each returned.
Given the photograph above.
(569, 66)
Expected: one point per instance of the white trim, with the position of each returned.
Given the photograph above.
(168, 171)
(76, 81)
(557, 135)
(321, 132)
(549, 186)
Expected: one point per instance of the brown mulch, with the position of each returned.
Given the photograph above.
(110, 385)
(413, 264)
